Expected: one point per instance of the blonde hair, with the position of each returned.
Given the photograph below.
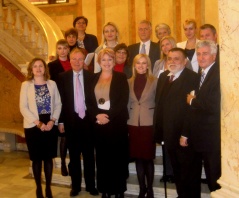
(149, 69)
(173, 43)
(116, 29)
(162, 26)
(190, 21)
(78, 50)
(107, 51)
(30, 74)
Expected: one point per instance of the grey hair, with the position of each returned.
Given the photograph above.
(146, 22)
(162, 26)
(207, 43)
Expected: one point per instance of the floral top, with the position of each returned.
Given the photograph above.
(43, 99)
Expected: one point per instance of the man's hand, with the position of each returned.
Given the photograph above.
(189, 98)
(183, 141)
(61, 128)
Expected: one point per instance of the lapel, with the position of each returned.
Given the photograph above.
(161, 82)
(145, 91)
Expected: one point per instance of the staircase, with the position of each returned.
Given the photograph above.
(132, 183)
(26, 32)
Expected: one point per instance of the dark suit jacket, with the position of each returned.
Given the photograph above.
(90, 42)
(66, 89)
(171, 109)
(154, 53)
(55, 68)
(119, 95)
(204, 128)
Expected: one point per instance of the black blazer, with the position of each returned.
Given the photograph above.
(171, 109)
(66, 89)
(154, 53)
(204, 127)
(90, 42)
(55, 68)
(119, 95)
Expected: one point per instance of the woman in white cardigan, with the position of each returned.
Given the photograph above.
(190, 30)
(40, 105)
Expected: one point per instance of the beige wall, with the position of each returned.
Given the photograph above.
(127, 13)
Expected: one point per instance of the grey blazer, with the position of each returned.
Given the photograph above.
(142, 111)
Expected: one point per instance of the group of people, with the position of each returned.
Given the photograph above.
(118, 107)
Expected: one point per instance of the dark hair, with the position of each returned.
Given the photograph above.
(30, 74)
(71, 31)
(177, 49)
(122, 46)
(209, 26)
(78, 18)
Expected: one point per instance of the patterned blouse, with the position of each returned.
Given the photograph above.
(43, 99)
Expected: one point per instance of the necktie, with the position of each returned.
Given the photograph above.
(202, 79)
(79, 98)
(143, 50)
(171, 78)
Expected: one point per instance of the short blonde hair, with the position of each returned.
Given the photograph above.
(146, 22)
(78, 50)
(173, 43)
(115, 27)
(30, 74)
(162, 26)
(108, 51)
(190, 21)
(136, 58)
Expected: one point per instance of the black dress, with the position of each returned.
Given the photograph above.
(111, 139)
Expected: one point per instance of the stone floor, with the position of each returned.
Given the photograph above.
(16, 182)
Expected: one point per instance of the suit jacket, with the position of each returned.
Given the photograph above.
(66, 88)
(194, 60)
(141, 111)
(55, 68)
(171, 109)
(90, 42)
(204, 122)
(154, 53)
(119, 95)
(28, 106)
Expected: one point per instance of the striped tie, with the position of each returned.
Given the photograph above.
(202, 79)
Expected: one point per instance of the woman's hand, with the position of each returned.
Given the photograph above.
(102, 119)
(49, 125)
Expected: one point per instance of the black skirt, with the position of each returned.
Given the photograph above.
(41, 144)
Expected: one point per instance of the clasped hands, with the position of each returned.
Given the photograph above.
(102, 119)
(45, 127)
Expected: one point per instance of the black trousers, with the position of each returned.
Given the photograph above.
(80, 140)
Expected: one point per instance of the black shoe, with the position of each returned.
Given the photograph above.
(106, 195)
(168, 178)
(93, 191)
(203, 180)
(48, 193)
(39, 193)
(74, 193)
(64, 171)
(119, 195)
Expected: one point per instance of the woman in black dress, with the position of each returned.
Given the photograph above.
(108, 109)
(40, 105)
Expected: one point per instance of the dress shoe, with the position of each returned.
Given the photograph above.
(168, 178)
(93, 191)
(74, 193)
(106, 195)
(119, 195)
(39, 193)
(64, 171)
(48, 193)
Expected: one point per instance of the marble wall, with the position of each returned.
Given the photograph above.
(229, 42)
(127, 13)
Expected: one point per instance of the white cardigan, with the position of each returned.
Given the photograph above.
(194, 60)
(28, 107)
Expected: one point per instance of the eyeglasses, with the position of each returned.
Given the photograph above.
(121, 52)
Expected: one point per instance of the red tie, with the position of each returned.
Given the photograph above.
(171, 78)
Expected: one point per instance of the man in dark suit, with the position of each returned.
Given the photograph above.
(145, 46)
(203, 133)
(171, 113)
(74, 119)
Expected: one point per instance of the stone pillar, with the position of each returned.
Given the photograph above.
(229, 67)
